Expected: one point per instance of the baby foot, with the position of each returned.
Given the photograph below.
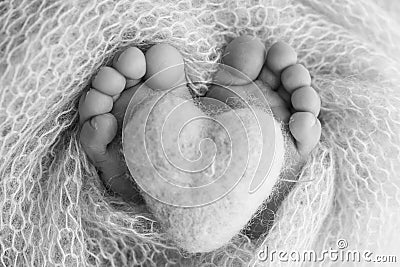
(289, 93)
(102, 108)
(290, 96)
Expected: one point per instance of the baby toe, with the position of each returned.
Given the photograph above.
(164, 68)
(96, 134)
(242, 61)
(131, 63)
(294, 77)
(279, 57)
(109, 81)
(306, 129)
(93, 103)
(306, 99)
(95, 137)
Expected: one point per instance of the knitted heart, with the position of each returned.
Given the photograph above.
(204, 170)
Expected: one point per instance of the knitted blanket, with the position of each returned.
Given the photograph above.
(55, 210)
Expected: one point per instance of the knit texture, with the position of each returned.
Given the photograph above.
(55, 210)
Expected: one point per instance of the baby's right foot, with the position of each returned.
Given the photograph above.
(102, 108)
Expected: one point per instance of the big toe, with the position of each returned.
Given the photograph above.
(242, 61)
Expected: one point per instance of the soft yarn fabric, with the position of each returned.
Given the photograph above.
(175, 170)
(54, 209)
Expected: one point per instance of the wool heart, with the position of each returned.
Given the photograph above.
(202, 175)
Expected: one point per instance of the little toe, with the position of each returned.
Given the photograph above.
(96, 136)
(306, 129)
(93, 103)
(242, 61)
(306, 99)
(164, 68)
(131, 63)
(109, 81)
(294, 77)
